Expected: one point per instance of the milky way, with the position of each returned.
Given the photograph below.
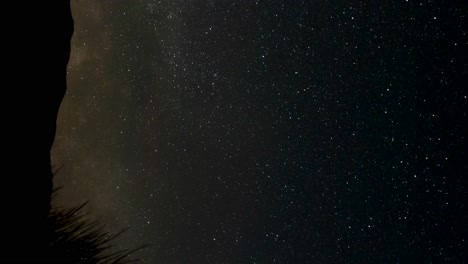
(269, 131)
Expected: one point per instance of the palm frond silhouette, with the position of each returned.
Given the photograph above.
(74, 237)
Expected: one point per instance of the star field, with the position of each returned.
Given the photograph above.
(269, 131)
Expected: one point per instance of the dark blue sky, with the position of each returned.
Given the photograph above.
(270, 131)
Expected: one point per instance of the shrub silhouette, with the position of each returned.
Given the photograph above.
(74, 238)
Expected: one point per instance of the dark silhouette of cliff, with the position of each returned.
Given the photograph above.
(36, 38)
(34, 79)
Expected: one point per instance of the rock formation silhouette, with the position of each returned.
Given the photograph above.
(36, 37)
(36, 55)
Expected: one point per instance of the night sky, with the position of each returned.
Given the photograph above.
(256, 131)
